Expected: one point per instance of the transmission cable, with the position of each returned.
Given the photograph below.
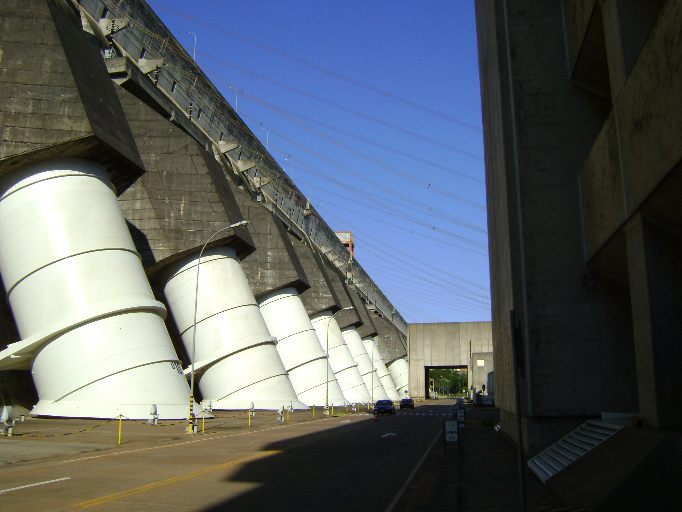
(411, 205)
(325, 70)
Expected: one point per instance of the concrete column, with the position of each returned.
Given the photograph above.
(380, 369)
(237, 363)
(365, 364)
(91, 328)
(654, 255)
(342, 362)
(399, 373)
(301, 352)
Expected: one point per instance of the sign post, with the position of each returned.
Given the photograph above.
(450, 434)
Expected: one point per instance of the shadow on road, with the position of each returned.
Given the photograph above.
(358, 466)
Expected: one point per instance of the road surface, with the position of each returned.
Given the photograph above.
(347, 462)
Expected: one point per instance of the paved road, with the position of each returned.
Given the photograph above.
(341, 463)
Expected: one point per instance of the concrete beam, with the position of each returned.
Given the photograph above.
(634, 161)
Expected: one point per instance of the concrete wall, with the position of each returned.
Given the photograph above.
(444, 344)
(582, 162)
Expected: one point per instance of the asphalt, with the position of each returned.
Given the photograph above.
(480, 475)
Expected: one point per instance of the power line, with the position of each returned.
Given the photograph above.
(221, 99)
(238, 125)
(422, 161)
(326, 71)
(344, 108)
(439, 272)
(330, 161)
(409, 260)
(440, 303)
(417, 287)
(379, 162)
(395, 226)
(413, 266)
(410, 272)
(395, 212)
(412, 205)
(428, 292)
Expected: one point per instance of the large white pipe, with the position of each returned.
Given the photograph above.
(382, 371)
(81, 299)
(365, 366)
(237, 363)
(400, 371)
(344, 366)
(300, 350)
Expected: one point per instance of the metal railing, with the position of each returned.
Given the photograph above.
(137, 35)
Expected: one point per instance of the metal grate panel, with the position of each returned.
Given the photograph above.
(574, 445)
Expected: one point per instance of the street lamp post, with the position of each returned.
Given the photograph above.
(373, 372)
(326, 391)
(194, 48)
(190, 419)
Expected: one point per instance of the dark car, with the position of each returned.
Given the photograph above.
(384, 407)
(407, 403)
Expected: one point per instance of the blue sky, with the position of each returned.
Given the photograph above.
(373, 109)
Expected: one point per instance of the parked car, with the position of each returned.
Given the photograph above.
(407, 403)
(384, 407)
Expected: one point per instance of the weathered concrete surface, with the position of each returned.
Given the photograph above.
(274, 265)
(367, 329)
(320, 296)
(56, 98)
(640, 133)
(180, 210)
(390, 343)
(348, 317)
(444, 344)
(59, 101)
(496, 120)
(183, 197)
(568, 162)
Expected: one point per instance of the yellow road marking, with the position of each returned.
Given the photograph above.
(32, 466)
(168, 481)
